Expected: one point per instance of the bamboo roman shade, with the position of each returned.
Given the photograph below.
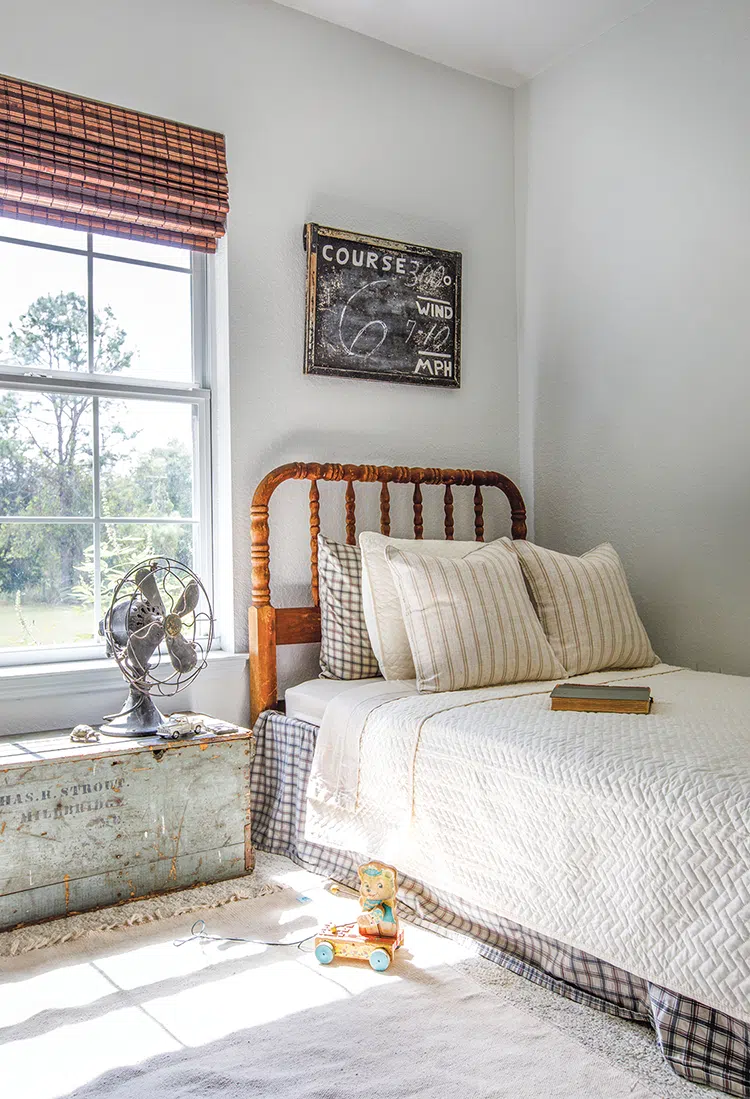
(82, 164)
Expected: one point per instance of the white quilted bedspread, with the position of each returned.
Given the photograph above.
(625, 836)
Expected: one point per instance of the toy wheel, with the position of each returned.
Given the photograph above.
(380, 959)
(324, 953)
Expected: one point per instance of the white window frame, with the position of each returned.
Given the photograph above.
(196, 392)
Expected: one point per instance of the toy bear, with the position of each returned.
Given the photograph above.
(377, 898)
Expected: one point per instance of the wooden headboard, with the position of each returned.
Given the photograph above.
(271, 626)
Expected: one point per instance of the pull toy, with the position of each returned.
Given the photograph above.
(375, 935)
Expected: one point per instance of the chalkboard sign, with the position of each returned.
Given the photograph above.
(382, 309)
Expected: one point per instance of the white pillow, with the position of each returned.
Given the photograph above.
(470, 621)
(383, 616)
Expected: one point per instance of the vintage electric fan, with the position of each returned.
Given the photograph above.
(159, 638)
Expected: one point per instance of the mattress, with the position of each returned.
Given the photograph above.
(307, 701)
(625, 836)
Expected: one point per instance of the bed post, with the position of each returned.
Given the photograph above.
(262, 647)
(261, 615)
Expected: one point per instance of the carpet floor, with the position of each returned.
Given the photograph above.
(125, 1013)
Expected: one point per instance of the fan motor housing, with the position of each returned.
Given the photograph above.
(125, 617)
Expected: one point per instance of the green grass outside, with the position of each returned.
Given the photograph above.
(48, 625)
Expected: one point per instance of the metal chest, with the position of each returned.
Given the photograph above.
(82, 826)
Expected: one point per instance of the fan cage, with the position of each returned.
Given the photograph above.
(163, 569)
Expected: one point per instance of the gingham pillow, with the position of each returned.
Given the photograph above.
(345, 649)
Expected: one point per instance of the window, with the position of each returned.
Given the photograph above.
(104, 427)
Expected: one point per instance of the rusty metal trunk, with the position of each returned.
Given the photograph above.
(83, 826)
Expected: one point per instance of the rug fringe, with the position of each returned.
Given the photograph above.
(180, 903)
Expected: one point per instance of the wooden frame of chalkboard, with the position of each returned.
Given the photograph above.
(382, 309)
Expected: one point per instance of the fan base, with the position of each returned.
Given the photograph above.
(138, 717)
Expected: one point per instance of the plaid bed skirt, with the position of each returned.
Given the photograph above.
(699, 1043)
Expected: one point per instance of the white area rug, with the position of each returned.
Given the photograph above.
(124, 1013)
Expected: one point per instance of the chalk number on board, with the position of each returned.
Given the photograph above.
(357, 345)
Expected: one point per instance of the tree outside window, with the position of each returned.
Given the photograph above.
(91, 480)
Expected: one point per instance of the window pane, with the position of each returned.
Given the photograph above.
(146, 458)
(46, 460)
(152, 310)
(43, 309)
(141, 249)
(125, 545)
(42, 566)
(46, 233)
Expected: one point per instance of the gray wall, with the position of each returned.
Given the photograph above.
(322, 125)
(634, 214)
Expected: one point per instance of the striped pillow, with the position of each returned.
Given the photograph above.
(470, 621)
(586, 608)
(383, 615)
(345, 649)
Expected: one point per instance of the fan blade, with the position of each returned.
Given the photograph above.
(146, 582)
(182, 653)
(188, 599)
(142, 644)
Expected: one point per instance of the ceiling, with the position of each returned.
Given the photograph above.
(507, 41)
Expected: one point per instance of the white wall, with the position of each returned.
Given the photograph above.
(323, 125)
(36, 698)
(635, 315)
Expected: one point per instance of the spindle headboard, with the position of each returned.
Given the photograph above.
(271, 626)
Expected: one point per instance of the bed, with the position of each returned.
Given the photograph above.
(604, 858)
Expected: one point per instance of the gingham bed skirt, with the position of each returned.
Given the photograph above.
(699, 1043)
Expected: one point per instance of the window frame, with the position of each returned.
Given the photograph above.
(196, 392)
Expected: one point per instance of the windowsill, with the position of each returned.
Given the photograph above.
(27, 681)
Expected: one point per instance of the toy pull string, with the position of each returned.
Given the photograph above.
(198, 933)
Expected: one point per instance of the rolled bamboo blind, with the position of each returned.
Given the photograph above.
(79, 163)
